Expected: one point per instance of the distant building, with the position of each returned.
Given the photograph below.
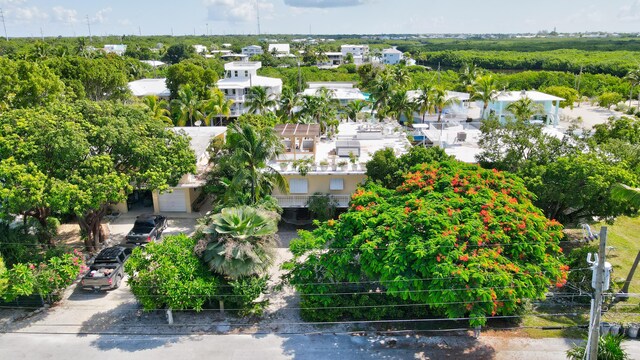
(549, 104)
(153, 63)
(115, 49)
(200, 49)
(147, 87)
(239, 77)
(344, 92)
(333, 59)
(360, 53)
(392, 56)
(279, 49)
(252, 50)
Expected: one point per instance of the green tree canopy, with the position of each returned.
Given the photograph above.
(27, 84)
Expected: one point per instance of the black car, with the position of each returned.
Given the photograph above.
(146, 229)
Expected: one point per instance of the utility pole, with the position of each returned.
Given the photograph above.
(596, 301)
(89, 27)
(258, 15)
(578, 85)
(41, 33)
(139, 31)
(4, 25)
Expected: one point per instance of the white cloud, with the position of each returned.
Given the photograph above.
(11, 2)
(325, 3)
(26, 14)
(101, 16)
(236, 10)
(630, 13)
(64, 15)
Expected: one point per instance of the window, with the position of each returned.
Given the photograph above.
(336, 184)
(246, 73)
(235, 73)
(298, 186)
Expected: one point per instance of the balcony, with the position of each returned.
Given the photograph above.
(300, 201)
(287, 167)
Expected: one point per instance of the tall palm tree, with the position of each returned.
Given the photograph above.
(259, 100)
(381, 88)
(400, 76)
(216, 106)
(523, 109)
(633, 77)
(187, 106)
(424, 101)
(288, 101)
(353, 108)
(468, 75)
(242, 242)
(159, 108)
(251, 151)
(400, 105)
(485, 89)
(440, 101)
(321, 108)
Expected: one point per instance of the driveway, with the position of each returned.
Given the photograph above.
(177, 224)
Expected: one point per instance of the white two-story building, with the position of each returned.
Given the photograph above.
(360, 53)
(239, 77)
(252, 50)
(392, 56)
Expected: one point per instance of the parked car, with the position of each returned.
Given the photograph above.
(146, 229)
(107, 270)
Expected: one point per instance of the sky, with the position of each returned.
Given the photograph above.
(223, 17)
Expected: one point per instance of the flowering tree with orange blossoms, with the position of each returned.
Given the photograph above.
(464, 241)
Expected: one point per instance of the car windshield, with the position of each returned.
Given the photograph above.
(142, 227)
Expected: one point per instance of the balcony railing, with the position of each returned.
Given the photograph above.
(300, 201)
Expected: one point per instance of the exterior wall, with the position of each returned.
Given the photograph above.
(320, 183)
(391, 59)
(187, 199)
(120, 207)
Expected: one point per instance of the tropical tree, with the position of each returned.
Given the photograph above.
(441, 101)
(353, 108)
(321, 108)
(216, 106)
(187, 107)
(400, 105)
(288, 101)
(242, 241)
(523, 109)
(484, 89)
(633, 77)
(251, 150)
(159, 109)
(259, 100)
(468, 75)
(424, 101)
(381, 88)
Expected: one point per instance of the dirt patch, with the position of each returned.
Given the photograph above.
(68, 234)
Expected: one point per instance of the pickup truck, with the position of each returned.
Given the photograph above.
(146, 229)
(107, 269)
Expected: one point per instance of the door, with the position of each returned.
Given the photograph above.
(174, 201)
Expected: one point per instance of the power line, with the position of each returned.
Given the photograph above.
(4, 25)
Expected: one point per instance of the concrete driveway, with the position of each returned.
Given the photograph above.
(177, 224)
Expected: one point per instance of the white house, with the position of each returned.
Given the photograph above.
(147, 87)
(458, 110)
(549, 105)
(200, 49)
(279, 49)
(239, 77)
(115, 49)
(153, 63)
(344, 92)
(252, 50)
(360, 53)
(392, 56)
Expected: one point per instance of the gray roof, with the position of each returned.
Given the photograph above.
(201, 137)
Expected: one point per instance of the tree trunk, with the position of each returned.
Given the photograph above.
(90, 223)
(625, 288)
(41, 214)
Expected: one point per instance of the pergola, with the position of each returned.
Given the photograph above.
(299, 138)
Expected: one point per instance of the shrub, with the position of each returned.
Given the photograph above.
(170, 275)
(322, 206)
(244, 293)
(609, 348)
(464, 241)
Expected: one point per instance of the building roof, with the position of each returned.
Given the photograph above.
(200, 138)
(391, 51)
(297, 130)
(341, 90)
(242, 83)
(281, 48)
(154, 63)
(145, 87)
(511, 96)
(414, 94)
(252, 47)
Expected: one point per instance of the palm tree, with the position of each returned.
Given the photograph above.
(633, 77)
(524, 108)
(400, 105)
(353, 108)
(159, 108)
(400, 76)
(187, 106)
(381, 88)
(321, 108)
(216, 106)
(468, 75)
(242, 242)
(259, 100)
(440, 101)
(424, 101)
(251, 151)
(485, 90)
(289, 100)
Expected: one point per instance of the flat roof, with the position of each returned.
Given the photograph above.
(298, 130)
(146, 87)
(241, 83)
(511, 96)
(414, 94)
(200, 136)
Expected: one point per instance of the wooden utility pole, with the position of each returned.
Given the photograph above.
(594, 321)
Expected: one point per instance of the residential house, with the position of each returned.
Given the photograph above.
(115, 49)
(187, 195)
(240, 76)
(330, 170)
(392, 56)
(343, 92)
(280, 50)
(333, 59)
(252, 50)
(458, 110)
(549, 105)
(147, 87)
(360, 53)
(153, 63)
(200, 49)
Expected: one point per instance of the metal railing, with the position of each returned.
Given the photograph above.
(300, 201)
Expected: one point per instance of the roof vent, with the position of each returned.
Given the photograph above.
(523, 92)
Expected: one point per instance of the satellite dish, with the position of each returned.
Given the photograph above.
(198, 123)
